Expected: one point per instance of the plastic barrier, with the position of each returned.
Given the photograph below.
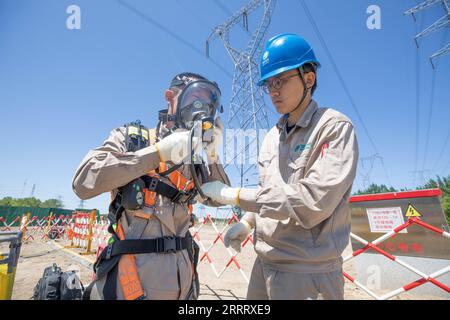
(205, 252)
(374, 245)
(7, 226)
(8, 263)
(82, 230)
(100, 234)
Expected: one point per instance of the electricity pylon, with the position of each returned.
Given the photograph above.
(248, 113)
(443, 22)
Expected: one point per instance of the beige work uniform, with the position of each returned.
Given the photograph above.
(302, 223)
(110, 166)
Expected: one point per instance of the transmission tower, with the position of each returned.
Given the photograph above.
(32, 190)
(23, 188)
(366, 167)
(247, 116)
(443, 22)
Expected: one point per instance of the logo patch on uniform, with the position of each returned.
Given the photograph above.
(300, 147)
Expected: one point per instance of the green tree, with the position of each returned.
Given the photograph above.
(375, 188)
(442, 183)
(52, 203)
(6, 201)
(27, 202)
(31, 202)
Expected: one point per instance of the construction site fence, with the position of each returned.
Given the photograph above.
(9, 213)
(232, 260)
(86, 231)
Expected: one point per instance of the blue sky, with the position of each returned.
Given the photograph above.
(62, 91)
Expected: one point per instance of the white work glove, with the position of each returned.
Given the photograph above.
(174, 147)
(212, 148)
(237, 234)
(221, 193)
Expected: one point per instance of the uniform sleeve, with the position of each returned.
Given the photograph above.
(110, 166)
(313, 199)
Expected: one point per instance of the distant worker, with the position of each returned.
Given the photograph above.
(307, 165)
(152, 254)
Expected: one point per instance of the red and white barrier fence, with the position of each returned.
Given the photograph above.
(424, 278)
(205, 252)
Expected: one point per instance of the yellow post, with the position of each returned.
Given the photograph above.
(8, 265)
(23, 224)
(91, 224)
(49, 223)
(6, 281)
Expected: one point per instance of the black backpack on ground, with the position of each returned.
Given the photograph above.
(58, 285)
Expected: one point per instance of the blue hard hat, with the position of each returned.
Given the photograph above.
(285, 52)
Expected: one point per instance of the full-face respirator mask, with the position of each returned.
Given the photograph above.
(197, 106)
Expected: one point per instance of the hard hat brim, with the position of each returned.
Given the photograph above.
(284, 69)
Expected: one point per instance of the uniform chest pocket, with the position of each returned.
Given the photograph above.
(297, 168)
(264, 160)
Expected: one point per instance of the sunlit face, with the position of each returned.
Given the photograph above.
(172, 101)
(288, 97)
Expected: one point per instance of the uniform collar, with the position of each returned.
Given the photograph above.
(304, 120)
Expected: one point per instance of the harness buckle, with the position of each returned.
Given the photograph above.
(183, 197)
(153, 184)
(169, 244)
(108, 251)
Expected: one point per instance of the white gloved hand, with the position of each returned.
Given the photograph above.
(212, 148)
(237, 234)
(221, 193)
(174, 147)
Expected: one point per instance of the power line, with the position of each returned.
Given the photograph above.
(430, 113)
(170, 33)
(416, 150)
(229, 13)
(417, 131)
(198, 18)
(341, 79)
(443, 22)
(223, 8)
(442, 152)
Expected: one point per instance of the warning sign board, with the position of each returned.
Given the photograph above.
(369, 210)
(383, 220)
(412, 212)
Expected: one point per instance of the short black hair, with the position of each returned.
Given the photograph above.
(310, 67)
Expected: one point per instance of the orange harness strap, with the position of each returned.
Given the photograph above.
(176, 177)
(128, 273)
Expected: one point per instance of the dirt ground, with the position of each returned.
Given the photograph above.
(231, 285)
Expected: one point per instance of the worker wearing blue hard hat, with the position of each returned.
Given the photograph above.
(307, 164)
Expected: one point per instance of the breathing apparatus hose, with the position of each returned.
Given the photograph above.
(191, 158)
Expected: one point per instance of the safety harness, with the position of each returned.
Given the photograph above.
(117, 260)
